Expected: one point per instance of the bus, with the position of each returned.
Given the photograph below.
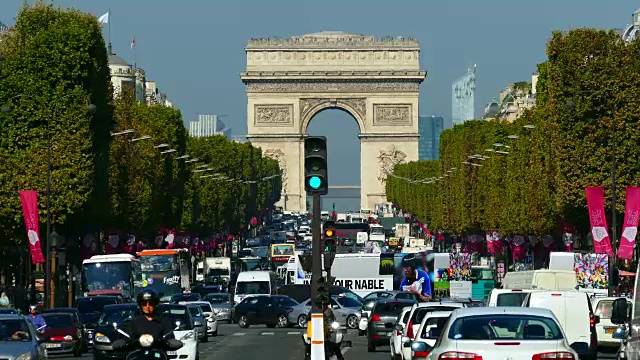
(165, 270)
(280, 254)
(110, 275)
(361, 273)
(376, 233)
(345, 230)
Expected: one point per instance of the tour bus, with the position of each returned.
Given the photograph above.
(360, 273)
(280, 254)
(105, 274)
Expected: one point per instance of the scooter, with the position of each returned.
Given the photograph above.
(332, 343)
(150, 348)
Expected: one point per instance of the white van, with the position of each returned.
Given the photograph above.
(575, 315)
(508, 297)
(541, 279)
(252, 283)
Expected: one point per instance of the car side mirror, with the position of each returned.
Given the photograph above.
(596, 319)
(398, 327)
(419, 348)
(619, 311)
(406, 341)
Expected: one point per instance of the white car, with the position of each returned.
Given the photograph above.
(430, 328)
(395, 343)
(185, 332)
(516, 333)
(212, 320)
(602, 307)
(417, 313)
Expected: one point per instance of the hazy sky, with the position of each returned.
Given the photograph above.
(194, 49)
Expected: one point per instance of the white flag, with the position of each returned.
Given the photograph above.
(104, 19)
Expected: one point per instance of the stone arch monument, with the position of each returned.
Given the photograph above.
(377, 81)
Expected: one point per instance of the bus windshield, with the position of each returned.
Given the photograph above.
(165, 262)
(284, 249)
(250, 264)
(107, 276)
(164, 283)
(374, 230)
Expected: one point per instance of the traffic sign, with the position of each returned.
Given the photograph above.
(528, 260)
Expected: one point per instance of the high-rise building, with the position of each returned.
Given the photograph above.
(208, 125)
(463, 93)
(429, 128)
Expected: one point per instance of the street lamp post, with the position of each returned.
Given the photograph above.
(91, 108)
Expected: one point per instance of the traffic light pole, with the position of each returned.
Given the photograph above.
(317, 326)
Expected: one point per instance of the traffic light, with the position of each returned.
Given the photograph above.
(315, 165)
(330, 241)
(322, 291)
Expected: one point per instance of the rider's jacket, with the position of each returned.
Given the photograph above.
(156, 327)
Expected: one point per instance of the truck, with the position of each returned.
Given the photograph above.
(217, 267)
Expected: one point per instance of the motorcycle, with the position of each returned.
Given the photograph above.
(333, 342)
(150, 348)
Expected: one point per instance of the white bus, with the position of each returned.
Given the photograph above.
(110, 274)
(360, 273)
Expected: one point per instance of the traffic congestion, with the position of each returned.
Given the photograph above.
(384, 301)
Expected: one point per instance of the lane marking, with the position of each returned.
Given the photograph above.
(239, 334)
(268, 333)
(293, 333)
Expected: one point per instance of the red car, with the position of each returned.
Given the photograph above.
(63, 334)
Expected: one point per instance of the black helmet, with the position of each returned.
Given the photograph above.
(147, 295)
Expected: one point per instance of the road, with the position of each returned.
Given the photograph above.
(259, 342)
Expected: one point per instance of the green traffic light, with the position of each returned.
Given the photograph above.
(315, 182)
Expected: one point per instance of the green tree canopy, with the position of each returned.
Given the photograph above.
(55, 65)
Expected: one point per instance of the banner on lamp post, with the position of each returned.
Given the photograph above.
(595, 205)
(630, 225)
(29, 200)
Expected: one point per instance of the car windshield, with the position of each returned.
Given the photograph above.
(118, 315)
(14, 330)
(285, 301)
(175, 314)
(389, 308)
(368, 305)
(195, 311)
(349, 302)
(205, 307)
(58, 321)
(217, 298)
(431, 323)
(252, 287)
(420, 313)
(510, 299)
(505, 327)
(94, 304)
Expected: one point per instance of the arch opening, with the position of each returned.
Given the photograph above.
(343, 147)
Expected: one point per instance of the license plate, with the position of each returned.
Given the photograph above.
(609, 330)
(53, 346)
(172, 353)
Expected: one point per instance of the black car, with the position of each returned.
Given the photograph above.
(269, 310)
(106, 334)
(90, 309)
(191, 296)
(78, 319)
(383, 318)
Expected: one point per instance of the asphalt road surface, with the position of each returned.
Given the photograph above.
(260, 342)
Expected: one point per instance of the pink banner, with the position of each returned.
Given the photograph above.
(29, 200)
(630, 225)
(595, 205)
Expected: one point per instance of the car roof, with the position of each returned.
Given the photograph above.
(408, 301)
(175, 306)
(124, 306)
(58, 313)
(438, 314)
(60, 310)
(439, 304)
(12, 317)
(497, 310)
(197, 303)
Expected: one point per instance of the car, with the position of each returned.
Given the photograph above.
(430, 328)
(185, 330)
(264, 309)
(384, 316)
(63, 335)
(19, 340)
(106, 334)
(221, 304)
(209, 317)
(395, 340)
(76, 314)
(191, 296)
(90, 309)
(605, 328)
(198, 321)
(497, 333)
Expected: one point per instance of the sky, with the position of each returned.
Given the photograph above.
(194, 49)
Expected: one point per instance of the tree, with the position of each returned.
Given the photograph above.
(48, 83)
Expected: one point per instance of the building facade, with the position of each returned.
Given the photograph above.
(513, 101)
(463, 93)
(208, 125)
(430, 128)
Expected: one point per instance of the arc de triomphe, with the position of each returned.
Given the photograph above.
(377, 81)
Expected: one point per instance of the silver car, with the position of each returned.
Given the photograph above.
(345, 309)
(221, 304)
(199, 322)
(18, 339)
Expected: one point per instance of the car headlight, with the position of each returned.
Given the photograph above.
(68, 338)
(146, 340)
(102, 338)
(187, 336)
(24, 356)
(335, 325)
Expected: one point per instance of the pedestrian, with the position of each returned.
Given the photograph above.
(4, 300)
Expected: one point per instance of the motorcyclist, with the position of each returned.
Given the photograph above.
(330, 318)
(149, 322)
(36, 319)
